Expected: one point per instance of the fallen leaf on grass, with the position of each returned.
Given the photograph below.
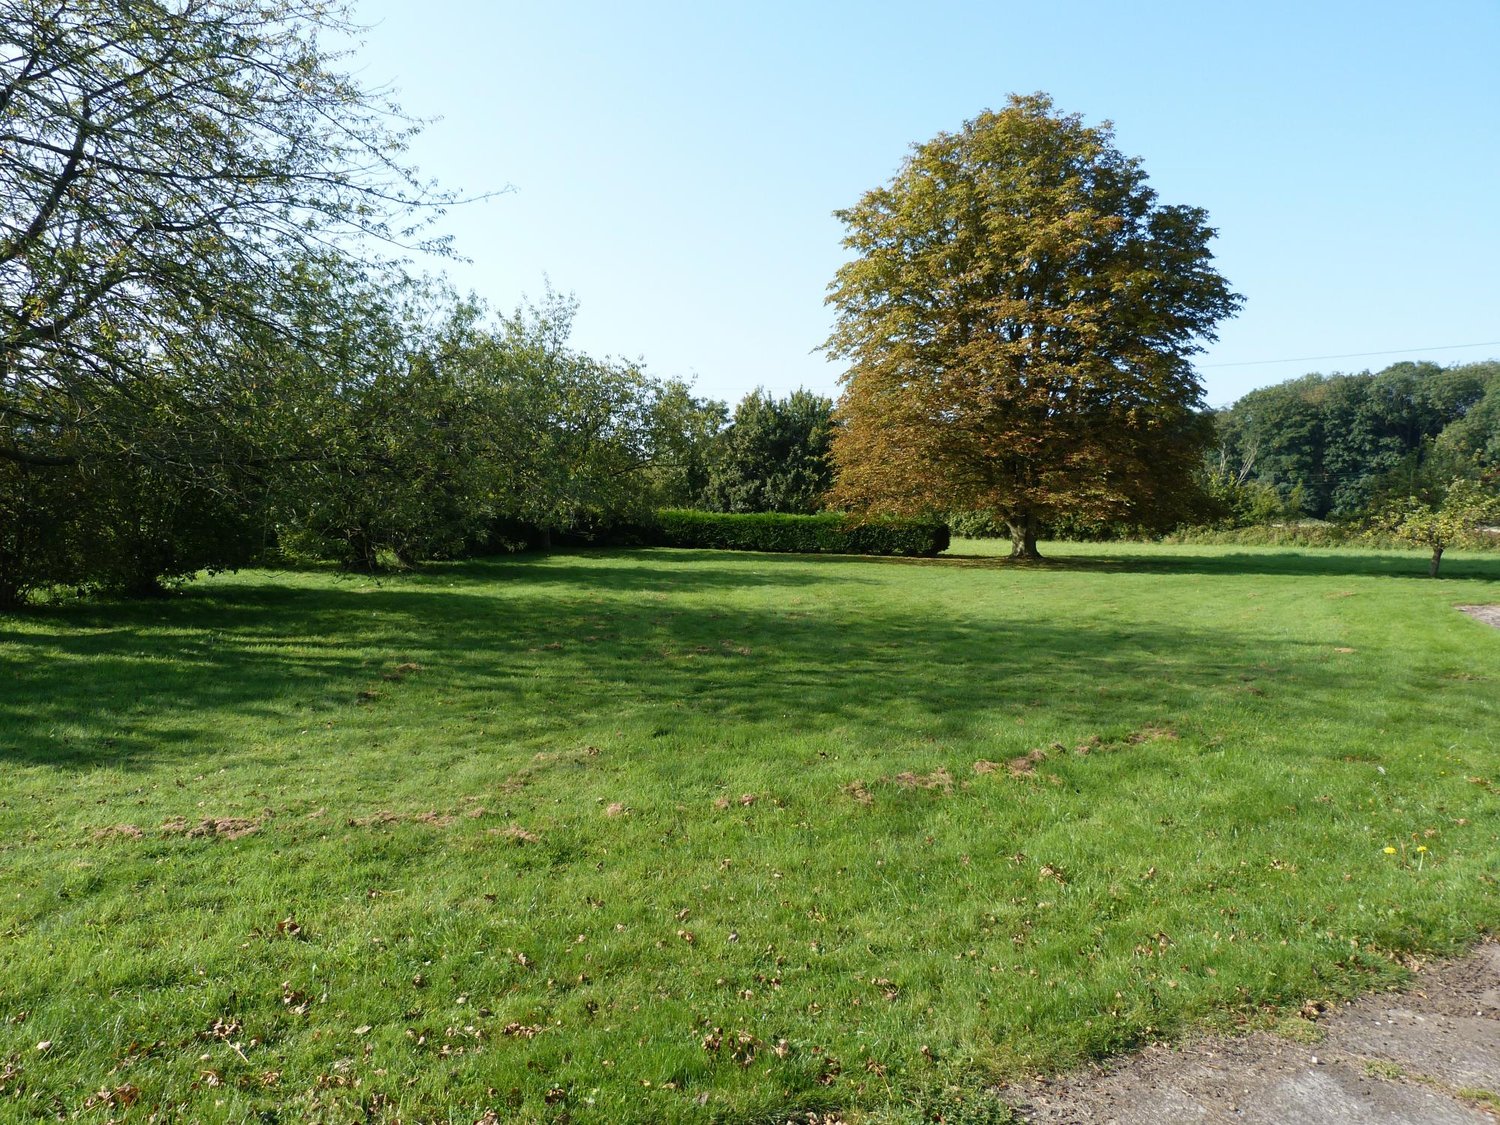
(223, 1028)
(123, 1096)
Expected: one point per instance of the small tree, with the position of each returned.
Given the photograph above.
(1019, 319)
(1465, 508)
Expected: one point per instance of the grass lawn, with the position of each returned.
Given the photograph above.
(671, 835)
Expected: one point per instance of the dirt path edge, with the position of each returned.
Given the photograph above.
(1426, 1055)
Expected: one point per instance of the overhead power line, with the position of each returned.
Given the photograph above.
(1353, 355)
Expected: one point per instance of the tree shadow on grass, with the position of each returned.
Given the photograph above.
(137, 685)
(660, 569)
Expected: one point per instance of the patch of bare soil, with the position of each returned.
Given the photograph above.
(1489, 614)
(213, 827)
(1429, 1055)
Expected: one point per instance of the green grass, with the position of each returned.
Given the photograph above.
(633, 842)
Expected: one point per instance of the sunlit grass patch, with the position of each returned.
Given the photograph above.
(663, 835)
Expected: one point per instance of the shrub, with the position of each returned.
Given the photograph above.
(977, 525)
(1302, 533)
(830, 533)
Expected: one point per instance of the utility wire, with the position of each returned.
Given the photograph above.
(1352, 355)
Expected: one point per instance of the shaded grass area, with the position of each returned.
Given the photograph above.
(677, 835)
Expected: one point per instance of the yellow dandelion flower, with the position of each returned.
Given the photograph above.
(1421, 847)
(1390, 851)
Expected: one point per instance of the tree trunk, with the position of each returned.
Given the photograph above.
(1023, 537)
(1437, 557)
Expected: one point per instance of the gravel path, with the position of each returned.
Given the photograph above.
(1429, 1055)
(1489, 614)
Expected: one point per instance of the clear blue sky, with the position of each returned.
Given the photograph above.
(675, 164)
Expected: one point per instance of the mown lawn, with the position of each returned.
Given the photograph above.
(661, 836)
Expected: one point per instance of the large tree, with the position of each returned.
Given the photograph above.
(1018, 319)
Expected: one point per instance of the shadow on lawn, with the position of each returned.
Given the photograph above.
(135, 684)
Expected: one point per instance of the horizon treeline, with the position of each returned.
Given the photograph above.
(1342, 447)
(450, 433)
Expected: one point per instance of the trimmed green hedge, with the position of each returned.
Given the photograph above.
(831, 533)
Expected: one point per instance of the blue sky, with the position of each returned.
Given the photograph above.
(675, 165)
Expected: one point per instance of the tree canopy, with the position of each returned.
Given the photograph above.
(773, 456)
(1344, 446)
(1018, 319)
(165, 164)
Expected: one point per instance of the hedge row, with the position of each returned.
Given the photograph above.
(830, 533)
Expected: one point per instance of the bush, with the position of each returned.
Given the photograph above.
(977, 525)
(830, 533)
(1304, 533)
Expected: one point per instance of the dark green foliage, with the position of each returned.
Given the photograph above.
(34, 548)
(977, 525)
(829, 533)
(1341, 446)
(774, 456)
(129, 526)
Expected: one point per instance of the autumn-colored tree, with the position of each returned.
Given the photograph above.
(1018, 320)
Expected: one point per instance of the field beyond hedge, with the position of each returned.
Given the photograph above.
(680, 835)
